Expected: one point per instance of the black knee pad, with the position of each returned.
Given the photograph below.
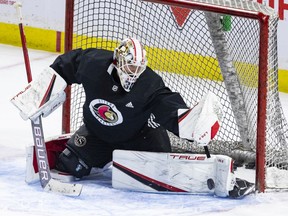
(71, 163)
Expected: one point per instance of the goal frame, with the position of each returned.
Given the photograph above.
(262, 79)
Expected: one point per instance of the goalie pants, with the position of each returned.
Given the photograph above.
(97, 153)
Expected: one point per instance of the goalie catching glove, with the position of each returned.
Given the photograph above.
(42, 96)
(202, 122)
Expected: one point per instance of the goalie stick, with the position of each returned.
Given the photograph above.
(47, 182)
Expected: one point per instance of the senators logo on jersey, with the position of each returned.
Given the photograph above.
(105, 112)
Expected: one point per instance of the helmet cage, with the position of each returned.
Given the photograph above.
(129, 67)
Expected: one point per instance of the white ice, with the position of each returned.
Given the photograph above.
(97, 198)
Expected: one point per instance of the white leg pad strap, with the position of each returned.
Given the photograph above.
(224, 178)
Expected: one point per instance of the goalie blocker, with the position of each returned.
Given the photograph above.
(41, 96)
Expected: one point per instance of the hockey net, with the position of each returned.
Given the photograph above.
(226, 47)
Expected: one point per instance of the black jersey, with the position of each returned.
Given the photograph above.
(109, 112)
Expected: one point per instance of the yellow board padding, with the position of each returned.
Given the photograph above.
(184, 63)
(36, 38)
(84, 42)
(191, 64)
(283, 80)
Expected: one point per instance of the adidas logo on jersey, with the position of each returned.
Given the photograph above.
(130, 105)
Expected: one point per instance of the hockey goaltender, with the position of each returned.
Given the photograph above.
(126, 115)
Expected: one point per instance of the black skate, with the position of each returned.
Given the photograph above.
(241, 189)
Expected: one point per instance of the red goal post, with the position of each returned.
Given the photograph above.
(188, 46)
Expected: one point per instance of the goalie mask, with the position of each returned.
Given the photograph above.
(131, 62)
